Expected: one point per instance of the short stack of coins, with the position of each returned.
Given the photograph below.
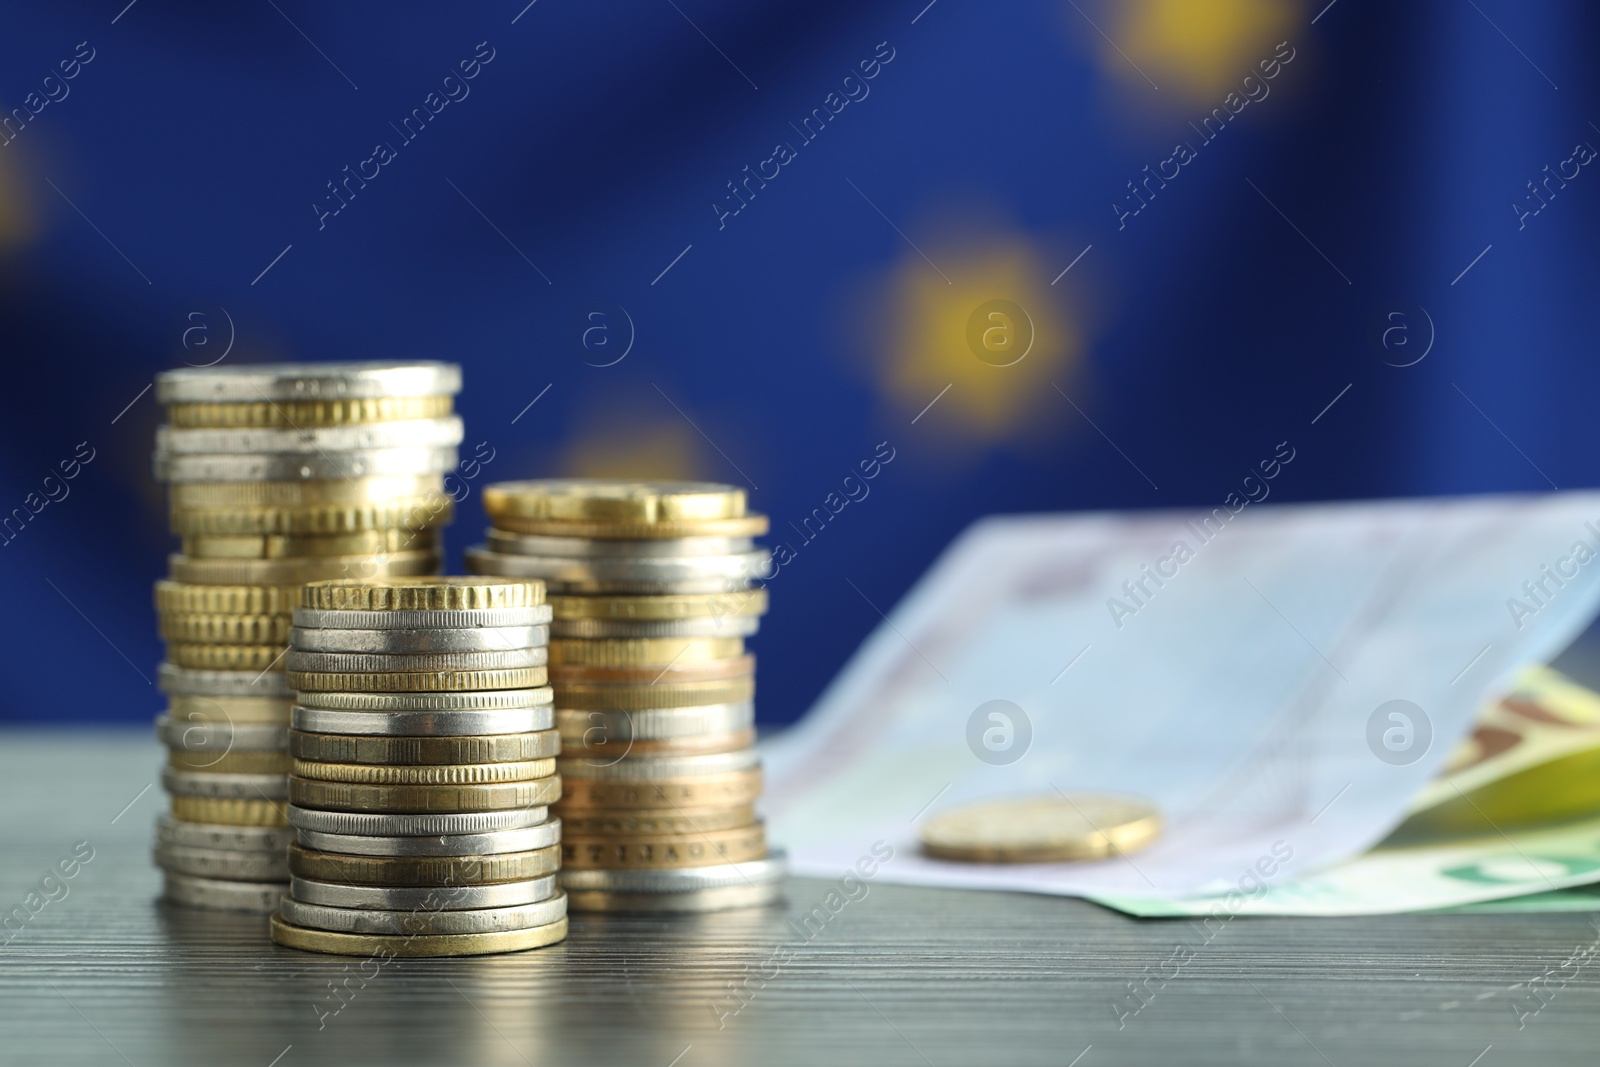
(423, 770)
(654, 587)
(277, 474)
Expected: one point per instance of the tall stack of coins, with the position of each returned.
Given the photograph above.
(277, 474)
(654, 587)
(424, 767)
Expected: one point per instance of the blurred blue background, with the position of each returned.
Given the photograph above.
(1370, 204)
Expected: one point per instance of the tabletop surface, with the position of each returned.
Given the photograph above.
(107, 974)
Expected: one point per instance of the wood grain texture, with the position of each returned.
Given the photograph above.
(107, 975)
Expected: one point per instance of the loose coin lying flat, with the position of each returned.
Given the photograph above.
(423, 922)
(428, 898)
(415, 946)
(1041, 829)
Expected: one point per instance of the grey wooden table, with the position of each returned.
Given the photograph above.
(108, 975)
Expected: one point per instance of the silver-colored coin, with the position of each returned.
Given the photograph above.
(687, 574)
(721, 898)
(421, 619)
(389, 825)
(443, 432)
(772, 868)
(632, 768)
(595, 548)
(475, 639)
(211, 735)
(525, 840)
(422, 922)
(215, 894)
(259, 382)
(423, 723)
(184, 681)
(377, 663)
(224, 864)
(713, 626)
(482, 700)
(656, 724)
(225, 786)
(170, 831)
(431, 898)
(290, 467)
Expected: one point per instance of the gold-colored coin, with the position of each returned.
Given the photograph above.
(299, 571)
(660, 851)
(347, 796)
(345, 869)
(289, 546)
(212, 496)
(592, 744)
(580, 696)
(491, 748)
(388, 946)
(305, 414)
(426, 773)
(673, 674)
(643, 651)
(1041, 829)
(670, 608)
(181, 598)
(224, 657)
(701, 791)
(452, 593)
(220, 711)
(241, 762)
(226, 629)
(226, 811)
(418, 681)
(406, 513)
(614, 501)
(600, 822)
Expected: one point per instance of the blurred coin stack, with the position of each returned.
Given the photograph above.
(423, 770)
(654, 587)
(277, 474)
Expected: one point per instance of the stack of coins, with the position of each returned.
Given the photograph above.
(424, 767)
(278, 474)
(654, 587)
